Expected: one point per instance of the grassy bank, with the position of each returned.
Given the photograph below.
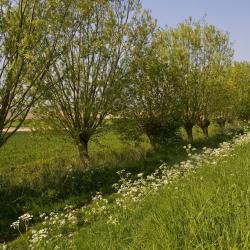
(208, 208)
(38, 183)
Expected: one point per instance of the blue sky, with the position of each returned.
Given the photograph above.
(232, 16)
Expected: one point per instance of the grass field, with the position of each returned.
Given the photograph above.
(27, 148)
(207, 208)
(39, 173)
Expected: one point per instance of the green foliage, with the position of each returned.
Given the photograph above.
(27, 49)
(149, 98)
(201, 55)
(179, 78)
(240, 83)
(28, 148)
(87, 78)
(101, 75)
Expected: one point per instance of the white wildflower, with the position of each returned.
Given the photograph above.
(140, 175)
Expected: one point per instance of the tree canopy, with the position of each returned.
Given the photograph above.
(27, 50)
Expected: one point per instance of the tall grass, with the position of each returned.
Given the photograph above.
(37, 182)
(201, 208)
(206, 210)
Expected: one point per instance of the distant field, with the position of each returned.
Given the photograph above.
(25, 148)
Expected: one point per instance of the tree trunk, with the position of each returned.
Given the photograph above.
(189, 130)
(154, 143)
(221, 122)
(153, 130)
(204, 124)
(205, 131)
(83, 152)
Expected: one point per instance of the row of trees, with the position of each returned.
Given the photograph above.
(180, 79)
(78, 62)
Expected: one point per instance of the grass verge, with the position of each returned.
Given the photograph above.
(206, 209)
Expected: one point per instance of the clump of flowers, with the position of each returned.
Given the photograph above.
(23, 220)
(112, 220)
(99, 207)
(53, 222)
(38, 236)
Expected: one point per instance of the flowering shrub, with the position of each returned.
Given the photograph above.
(130, 191)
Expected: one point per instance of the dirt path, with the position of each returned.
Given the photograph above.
(24, 129)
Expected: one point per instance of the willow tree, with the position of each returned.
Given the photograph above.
(223, 98)
(87, 79)
(240, 83)
(27, 50)
(201, 53)
(215, 95)
(150, 97)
